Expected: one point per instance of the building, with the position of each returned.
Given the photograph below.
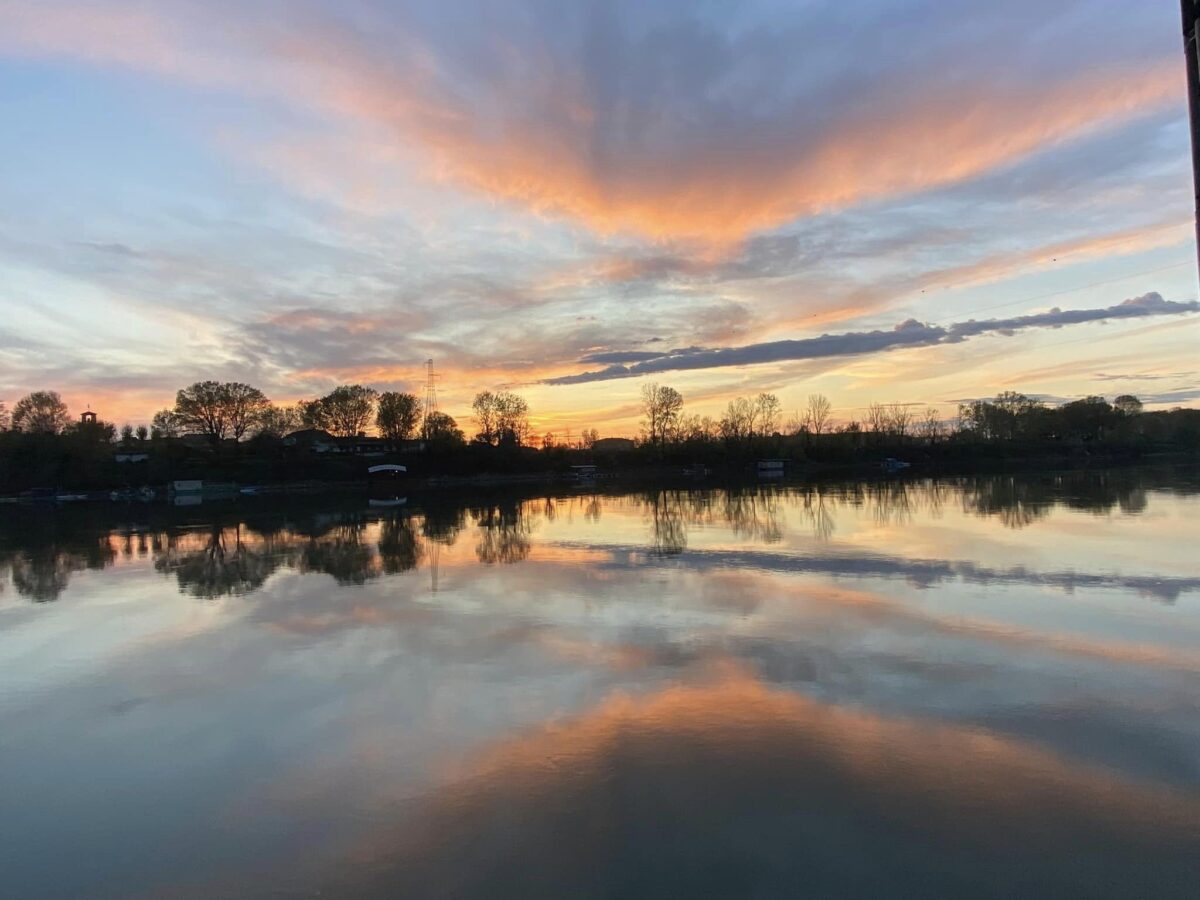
(613, 445)
(315, 440)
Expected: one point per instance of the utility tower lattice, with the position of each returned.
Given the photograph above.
(430, 395)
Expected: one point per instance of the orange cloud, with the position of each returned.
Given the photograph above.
(532, 138)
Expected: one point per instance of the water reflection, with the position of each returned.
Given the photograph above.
(504, 529)
(400, 546)
(734, 789)
(219, 562)
(1021, 501)
(878, 688)
(234, 550)
(669, 514)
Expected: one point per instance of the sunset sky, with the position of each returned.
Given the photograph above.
(570, 198)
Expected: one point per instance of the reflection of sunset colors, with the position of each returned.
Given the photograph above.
(764, 788)
(337, 194)
(893, 682)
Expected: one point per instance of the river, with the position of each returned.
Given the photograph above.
(984, 687)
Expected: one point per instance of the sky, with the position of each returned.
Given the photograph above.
(897, 201)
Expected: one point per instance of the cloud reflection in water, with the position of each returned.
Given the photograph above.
(734, 789)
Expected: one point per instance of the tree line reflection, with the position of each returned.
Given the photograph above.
(221, 552)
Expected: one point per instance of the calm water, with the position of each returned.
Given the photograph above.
(980, 687)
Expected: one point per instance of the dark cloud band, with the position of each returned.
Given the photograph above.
(910, 333)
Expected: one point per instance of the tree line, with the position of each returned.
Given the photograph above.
(1007, 418)
(234, 411)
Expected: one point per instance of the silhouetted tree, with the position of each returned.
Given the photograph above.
(398, 415)
(345, 411)
(42, 412)
(816, 415)
(278, 421)
(746, 419)
(878, 418)
(165, 424)
(201, 408)
(502, 417)
(1009, 416)
(5, 420)
(900, 420)
(930, 426)
(219, 409)
(1128, 405)
(696, 429)
(442, 429)
(1087, 419)
(661, 406)
(766, 414)
(142, 433)
(737, 425)
(246, 406)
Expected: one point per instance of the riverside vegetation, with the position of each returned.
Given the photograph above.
(233, 432)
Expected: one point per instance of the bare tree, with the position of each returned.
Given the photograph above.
(42, 412)
(661, 406)
(696, 428)
(588, 438)
(766, 414)
(931, 427)
(817, 414)
(738, 422)
(878, 418)
(899, 420)
(4, 418)
(398, 415)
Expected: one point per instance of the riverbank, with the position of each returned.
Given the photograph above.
(624, 476)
